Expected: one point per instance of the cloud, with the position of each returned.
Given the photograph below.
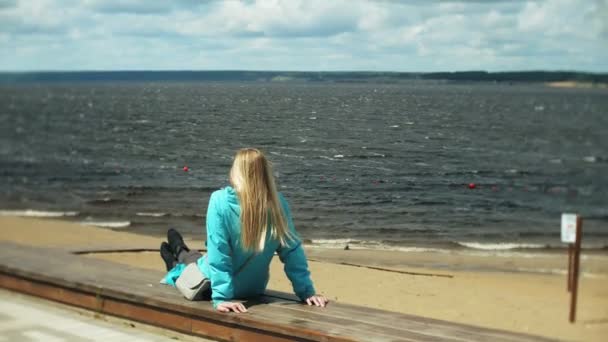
(35, 17)
(273, 19)
(142, 7)
(7, 4)
(304, 35)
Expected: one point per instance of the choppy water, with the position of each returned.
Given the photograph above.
(376, 165)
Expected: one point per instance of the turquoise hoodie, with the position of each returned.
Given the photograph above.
(225, 256)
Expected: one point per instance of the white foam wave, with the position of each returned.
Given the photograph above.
(501, 246)
(341, 243)
(590, 159)
(332, 243)
(418, 249)
(369, 245)
(37, 213)
(107, 224)
(151, 214)
(287, 155)
(476, 249)
(504, 254)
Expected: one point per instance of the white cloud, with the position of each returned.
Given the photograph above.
(304, 35)
(273, 19)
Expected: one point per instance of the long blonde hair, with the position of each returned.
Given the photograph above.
(251, 176)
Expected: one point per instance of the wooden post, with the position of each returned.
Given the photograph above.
(570, 259)
(575, 267)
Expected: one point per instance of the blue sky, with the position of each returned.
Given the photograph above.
(377, 35)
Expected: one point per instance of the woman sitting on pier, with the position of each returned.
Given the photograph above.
(246, 224)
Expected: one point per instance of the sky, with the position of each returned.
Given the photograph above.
(306, 35)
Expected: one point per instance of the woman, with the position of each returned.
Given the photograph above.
(246, 224)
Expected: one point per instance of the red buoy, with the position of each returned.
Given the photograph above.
(186, 169)
(472, 186)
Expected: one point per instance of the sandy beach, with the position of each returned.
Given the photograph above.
(520, 292)
(576, 84)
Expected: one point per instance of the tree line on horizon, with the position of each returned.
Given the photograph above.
(303, 76)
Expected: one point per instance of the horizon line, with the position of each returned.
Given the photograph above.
(300, 71)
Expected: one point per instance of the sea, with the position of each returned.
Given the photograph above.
(410, 166)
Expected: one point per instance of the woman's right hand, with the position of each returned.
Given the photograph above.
(231, 306)
(317, 300)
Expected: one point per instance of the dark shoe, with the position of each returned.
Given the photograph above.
(167, 255)
(176, 242)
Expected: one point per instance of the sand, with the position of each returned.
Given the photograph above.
(576, 84)
(499, 291)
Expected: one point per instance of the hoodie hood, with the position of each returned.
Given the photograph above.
(232, 199)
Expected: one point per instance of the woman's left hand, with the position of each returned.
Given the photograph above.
(317, 300)
(231, 306)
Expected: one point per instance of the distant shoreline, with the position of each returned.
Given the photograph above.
(552, 78)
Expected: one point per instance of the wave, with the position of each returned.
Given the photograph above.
(287, 155)
(599, 217)
(500, 246)
(175, 188)
(372, 155)
(152, 214)
(430, 202)
(330, 242)
(356, 156)
(473, 248)
(368, 244)
(523, 246)
(37, 213)
(107, 224)
(341, 243)
(191, 216)
(106, 201)
(595, 159)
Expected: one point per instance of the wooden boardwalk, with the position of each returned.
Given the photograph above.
(136, 294)
(26, 318)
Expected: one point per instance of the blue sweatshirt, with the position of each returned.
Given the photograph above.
(225, 256)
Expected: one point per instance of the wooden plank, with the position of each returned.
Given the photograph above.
(149, 315)
(135, 293)
(66, 271)
(351, 327)
(408, 322)
(158, 296)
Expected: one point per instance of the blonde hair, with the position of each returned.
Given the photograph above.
(251, 176)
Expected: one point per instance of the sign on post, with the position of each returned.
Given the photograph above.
(569, 228)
